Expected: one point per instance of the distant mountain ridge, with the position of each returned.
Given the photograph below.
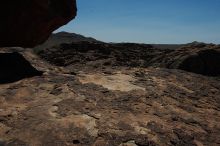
(68, 38)
(72, 37)
(65, 37)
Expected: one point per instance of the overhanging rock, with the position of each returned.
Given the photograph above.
(27, 23)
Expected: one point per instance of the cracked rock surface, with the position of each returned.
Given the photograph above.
(123, 106)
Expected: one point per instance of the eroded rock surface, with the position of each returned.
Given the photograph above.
(62, 107)
(197, 58)
(28, 23)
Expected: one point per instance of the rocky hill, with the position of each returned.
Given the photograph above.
(196, 57)
(99, 94)
(64, 37)
(89, 93)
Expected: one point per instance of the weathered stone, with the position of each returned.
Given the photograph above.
(201, 59)
(58, 108)
(28, 23)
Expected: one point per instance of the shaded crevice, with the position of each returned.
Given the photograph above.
(15, 67)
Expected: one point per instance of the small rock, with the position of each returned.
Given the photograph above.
(129, 143)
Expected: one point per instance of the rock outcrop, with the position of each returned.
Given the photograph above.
(109, 106)
(28, 23)
(197, 58)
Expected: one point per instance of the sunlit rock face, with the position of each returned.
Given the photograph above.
(27, 23)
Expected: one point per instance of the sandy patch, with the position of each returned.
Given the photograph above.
(118, 81)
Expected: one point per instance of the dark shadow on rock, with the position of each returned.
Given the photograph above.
(14, 67)
(28, 23)
(206, 62)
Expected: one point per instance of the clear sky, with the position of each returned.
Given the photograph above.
(148, 21)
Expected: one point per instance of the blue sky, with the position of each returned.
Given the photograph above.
(148, 21)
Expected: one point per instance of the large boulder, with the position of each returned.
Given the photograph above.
(27, 23)
(197, 58)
